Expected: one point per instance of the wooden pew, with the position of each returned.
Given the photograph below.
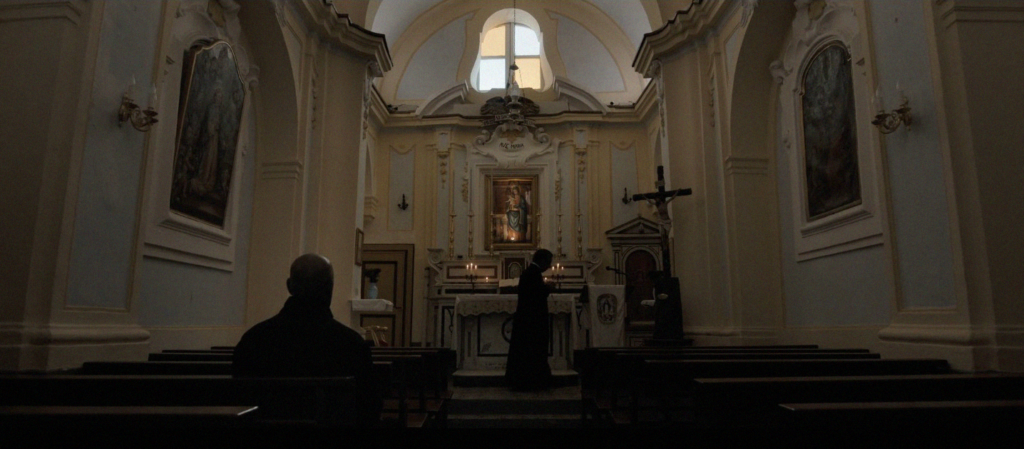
(157, 368)
(324, 401)
(980, 417)
(610, 372)
(667, 384)
(753, 402)
(423, 376)
(393, 372)
(588, 361)
(191, 357)
(25, 420)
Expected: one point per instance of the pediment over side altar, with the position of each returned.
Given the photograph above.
(513, 146)
(636, 231)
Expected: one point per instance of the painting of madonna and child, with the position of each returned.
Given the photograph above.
(511, 208)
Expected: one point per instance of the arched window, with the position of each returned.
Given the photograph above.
(501, 46)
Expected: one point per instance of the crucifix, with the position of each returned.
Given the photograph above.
(660, 200)
(668, 307)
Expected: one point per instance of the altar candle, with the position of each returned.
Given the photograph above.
(879, 104)
(153, 97)
(131, 88)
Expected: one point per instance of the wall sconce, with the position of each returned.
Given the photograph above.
(129, 111)
(888, 122)
(403, 205)
(625, 196)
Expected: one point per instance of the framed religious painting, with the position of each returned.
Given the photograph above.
(832, 174)
(209, 119)
(511, 212)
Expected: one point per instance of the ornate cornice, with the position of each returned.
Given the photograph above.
(337, 28)
(71, 10)
(686, 27)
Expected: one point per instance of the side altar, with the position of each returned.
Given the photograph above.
(483, 329)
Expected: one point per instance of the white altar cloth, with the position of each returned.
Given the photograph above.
(606, 315)
(372, 305)
(480, 335)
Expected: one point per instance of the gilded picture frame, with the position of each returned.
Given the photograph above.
(831, 170)
(511, 218)
(209, 122)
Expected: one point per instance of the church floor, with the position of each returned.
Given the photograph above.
(497, 407)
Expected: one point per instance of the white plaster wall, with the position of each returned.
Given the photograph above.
(393, 17)
(630, 15)
(105, 218)
(178, 294)
(587, 61)
(624, 176)
(920, 209)
(402, 177)
(851, 288)
(435, 65)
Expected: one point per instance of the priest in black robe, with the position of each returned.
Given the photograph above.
(527, 367)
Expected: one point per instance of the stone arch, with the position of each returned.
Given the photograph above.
(276, 214)
(754, 91)
(750, 176)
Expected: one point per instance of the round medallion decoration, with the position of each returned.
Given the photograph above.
(506, 330)
(514, 270)
(607, 306)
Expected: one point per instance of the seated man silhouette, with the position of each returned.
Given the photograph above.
(304, 339)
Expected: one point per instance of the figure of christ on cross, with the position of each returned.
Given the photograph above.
(660, 200)
(668, 307)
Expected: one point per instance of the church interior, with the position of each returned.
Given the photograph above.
(803, 174)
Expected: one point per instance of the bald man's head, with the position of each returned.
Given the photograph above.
(312, 278)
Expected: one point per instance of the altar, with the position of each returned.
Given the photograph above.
(483, 328)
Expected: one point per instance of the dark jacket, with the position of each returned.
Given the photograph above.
(304, 340)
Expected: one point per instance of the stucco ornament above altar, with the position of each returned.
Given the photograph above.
(513, 146)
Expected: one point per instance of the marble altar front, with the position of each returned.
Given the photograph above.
(483, 326)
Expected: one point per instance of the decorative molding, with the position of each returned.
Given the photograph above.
(367, 100)
(70, 334)
(594, 258)
(169, 235)
(735, 165)
(451, 236)
(938, 334)
(70, 10)
(686, 27)
(779, 71)
(370, 209)
(443, 148)
(324, 20)
(564, 88)
(748, 10)
(511, 148)
(281, 170)
(712, 107)
(959, 11)
(817, 24)
(457, 94)
(465, 182)
(623, 145)
(402, 149)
